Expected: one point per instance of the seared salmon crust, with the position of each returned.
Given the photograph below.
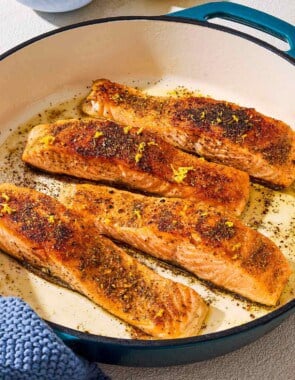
(99, 149)
(205, 241)
(38, 230)
(220, 131)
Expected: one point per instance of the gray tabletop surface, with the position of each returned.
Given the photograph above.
(272, 357)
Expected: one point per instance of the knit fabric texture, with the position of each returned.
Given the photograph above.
(29, 349)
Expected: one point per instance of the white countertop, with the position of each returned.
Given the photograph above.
(272, 356)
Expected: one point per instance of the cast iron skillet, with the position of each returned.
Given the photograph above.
(187, 350)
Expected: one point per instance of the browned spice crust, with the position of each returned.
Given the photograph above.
(201, 114)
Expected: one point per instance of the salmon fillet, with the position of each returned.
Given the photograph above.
(40, 231)
(212, 245)
(98, 149)
(217, 130)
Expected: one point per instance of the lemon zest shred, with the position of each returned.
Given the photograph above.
(51, 219)
(159, 313)
(127, 129)
(6, 209)
(229, 223)
(5, 197)
(203, 115)
(152, 143)
(140, 151)
(98, 134)
(235, 247)
(137, 214)
(47, 140)
(139, 130)
(235, 118)
(180, 173)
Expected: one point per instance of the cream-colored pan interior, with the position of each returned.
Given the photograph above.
(46, 81)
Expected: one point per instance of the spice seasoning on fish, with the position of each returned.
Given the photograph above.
(160, 168)
(78, 257)
(234, 123)
(220, 131)
(219, 231)
(191, 235)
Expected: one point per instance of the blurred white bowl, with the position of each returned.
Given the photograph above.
(55, 5)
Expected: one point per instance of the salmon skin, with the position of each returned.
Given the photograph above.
(217, 130)
(206, 242)
(39, 231)
(98, 149)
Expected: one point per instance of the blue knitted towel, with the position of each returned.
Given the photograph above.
(30, 350)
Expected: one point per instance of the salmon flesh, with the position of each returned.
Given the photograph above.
(38, 230)
(217, 130)
(211, 244)
(101, 150)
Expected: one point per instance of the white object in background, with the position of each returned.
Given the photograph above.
(55, 5)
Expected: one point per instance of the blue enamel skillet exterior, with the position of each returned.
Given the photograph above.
(186, 350)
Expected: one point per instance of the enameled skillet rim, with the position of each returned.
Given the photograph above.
(150, 18)
(180, 341)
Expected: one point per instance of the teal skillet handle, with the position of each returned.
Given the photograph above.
(243, 15)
